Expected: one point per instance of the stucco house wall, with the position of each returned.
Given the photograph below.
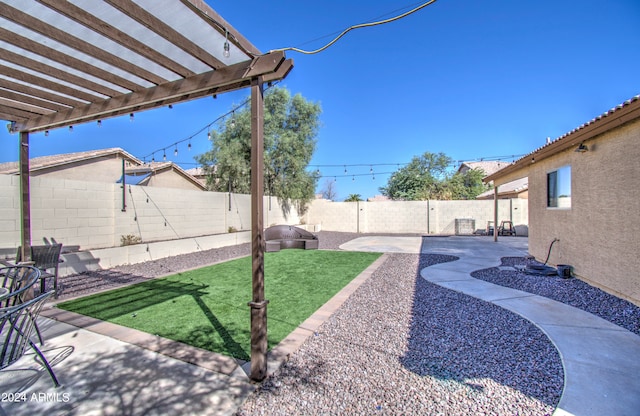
(102, 169)
(599, 234)
(168, 178)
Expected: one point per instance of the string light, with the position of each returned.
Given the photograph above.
(131, 116)
(226, 44)
(99, 123)
(46, 133)
(70, 129)
(164, 155)
(207, 127)
(175, 152)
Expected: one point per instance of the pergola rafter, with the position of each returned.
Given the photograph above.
(66, 62)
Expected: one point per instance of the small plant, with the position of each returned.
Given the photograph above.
(233, 229)
(129, 239)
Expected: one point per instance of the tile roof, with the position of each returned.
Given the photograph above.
(622, 113)
(487, 166)
(519, 185)
(44, 162)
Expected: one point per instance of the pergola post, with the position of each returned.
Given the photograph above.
(258, 303)
(25, 198)
(495, 213)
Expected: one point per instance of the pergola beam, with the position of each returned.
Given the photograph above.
(237, 76)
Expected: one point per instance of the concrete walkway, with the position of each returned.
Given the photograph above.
(601, 360)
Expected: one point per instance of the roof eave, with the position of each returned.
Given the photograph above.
(622, 114)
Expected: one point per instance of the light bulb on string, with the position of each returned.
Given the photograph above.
(46, 133)
(175, 152)
(189, 146)
(164, 155)
(354, 178)
(99, 123)
(226, 52)
(70, 129)
(131, 117)
(345, 168)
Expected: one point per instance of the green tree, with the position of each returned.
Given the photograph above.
(290, 128)
(466, 185)
(421, 179)
(353, 198)
(428, 177)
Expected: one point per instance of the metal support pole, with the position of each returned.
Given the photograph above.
(258, 303)
(124, 188)
(25, 198)
(495, 213)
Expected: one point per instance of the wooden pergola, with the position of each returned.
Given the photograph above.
(65, 62)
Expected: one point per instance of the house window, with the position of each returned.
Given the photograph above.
(559, 188)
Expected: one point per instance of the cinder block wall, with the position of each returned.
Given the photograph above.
(422, 217)
(91, 215)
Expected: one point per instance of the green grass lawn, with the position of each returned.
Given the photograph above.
(207, 307)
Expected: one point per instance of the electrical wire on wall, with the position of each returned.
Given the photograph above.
(167, 223)
(135, 215)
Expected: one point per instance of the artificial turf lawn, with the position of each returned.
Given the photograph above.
(207, 307)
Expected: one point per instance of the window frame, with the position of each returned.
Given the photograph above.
(558, 180)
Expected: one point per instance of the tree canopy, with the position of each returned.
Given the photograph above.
(428, 177)
(290, 128)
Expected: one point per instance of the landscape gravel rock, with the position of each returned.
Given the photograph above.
(402, 345)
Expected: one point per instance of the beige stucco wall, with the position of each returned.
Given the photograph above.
(103, 169)
(170, 179)
(600, 234)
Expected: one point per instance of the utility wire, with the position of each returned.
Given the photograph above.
(347, 30)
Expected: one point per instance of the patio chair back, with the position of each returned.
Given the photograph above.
(18, 280)
(17, 324)
(45, 257)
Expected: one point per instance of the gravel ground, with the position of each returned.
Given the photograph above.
(572, 292)
(401, 345)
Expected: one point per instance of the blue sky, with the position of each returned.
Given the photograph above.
(472, 79)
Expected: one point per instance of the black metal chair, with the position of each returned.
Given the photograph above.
(16, 326)
(45, 258)
(18, 282)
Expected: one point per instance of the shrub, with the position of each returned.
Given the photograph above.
(130, 239)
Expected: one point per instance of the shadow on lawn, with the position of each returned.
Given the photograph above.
(461, 338)
(112, 304)
(129, 300)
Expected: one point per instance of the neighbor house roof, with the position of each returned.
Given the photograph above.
(52, 161)
(615, 117)
(487, 166)
(513, 187)
(157, 167)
